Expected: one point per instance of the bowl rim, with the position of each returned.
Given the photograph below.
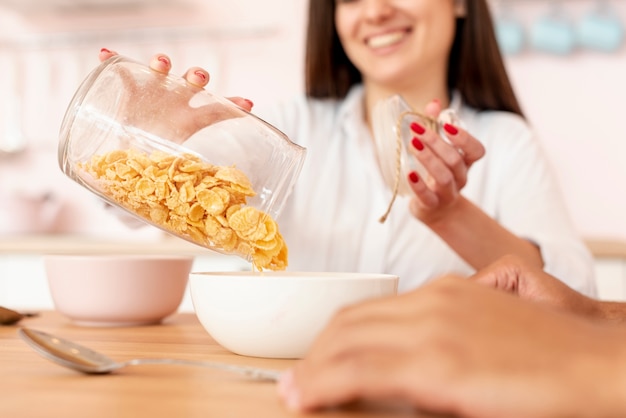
(118, 256)
(292, 275)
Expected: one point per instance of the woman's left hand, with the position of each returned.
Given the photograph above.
(447, 164)
(164, 109)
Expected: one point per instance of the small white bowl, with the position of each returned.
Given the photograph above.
(117, 290)
(277, 314)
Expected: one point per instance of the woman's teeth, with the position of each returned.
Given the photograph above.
(387, 39)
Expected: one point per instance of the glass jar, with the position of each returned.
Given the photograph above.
(182, 159)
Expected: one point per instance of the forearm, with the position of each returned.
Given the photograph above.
(479, 239)
(612, 312)
(606, 375)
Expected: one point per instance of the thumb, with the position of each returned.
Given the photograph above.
(500, 276)
(433, 108)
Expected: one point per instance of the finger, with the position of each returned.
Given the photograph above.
(197, 76)
(496, 280)
(367, 375)
(471, 149)
(503, 275)
(433, 108)
(376, 335)
(105, 54)
(443, 179)
(370, 375)
(353, 318)
(424, 197)
(161, 63)
(245, 104)
(450, 156)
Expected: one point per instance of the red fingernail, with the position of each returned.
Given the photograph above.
(249, 102)
(417, 128)
(104, 50)
(413, 177)
(164, 60)
(451, 129)
(200, 74)
(417, 144)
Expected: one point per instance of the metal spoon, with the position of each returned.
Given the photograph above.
(85, 360)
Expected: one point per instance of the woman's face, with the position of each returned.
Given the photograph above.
(393, 41)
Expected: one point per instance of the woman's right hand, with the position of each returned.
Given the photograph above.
(182, 125)
(446, 161)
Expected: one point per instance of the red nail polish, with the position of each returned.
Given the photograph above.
(417, 144)
(417, 128)
(200, 74)
(164, 60)
(249, 102)
(413, 177)
(451, 129)
(104, 50)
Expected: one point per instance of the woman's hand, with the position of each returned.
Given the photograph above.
(447, 164)
(456, 347)
(513, 275)
(153, 103)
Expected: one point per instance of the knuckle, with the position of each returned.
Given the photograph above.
(455, 160)
(445, 180)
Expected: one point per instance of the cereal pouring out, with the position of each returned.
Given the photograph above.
(196, 200)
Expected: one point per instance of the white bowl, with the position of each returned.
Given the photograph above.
(117, 290)
(277, 314)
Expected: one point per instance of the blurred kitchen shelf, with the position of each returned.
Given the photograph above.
(82, 6)
(607, 248)
(77, 244)
(77, 39)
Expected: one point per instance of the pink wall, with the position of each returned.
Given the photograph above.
(576, 104)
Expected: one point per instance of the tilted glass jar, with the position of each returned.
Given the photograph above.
(182, 159)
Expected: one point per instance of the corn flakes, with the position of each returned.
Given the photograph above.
(204, 203)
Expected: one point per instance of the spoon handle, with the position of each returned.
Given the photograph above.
(251, 372)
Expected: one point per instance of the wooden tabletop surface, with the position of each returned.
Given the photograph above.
(31, 386)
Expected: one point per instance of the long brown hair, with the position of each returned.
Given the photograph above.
(475, 66)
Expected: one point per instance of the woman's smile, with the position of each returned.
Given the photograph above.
(387, 39)
(391, 41)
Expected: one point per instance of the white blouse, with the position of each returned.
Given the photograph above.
(331, 220)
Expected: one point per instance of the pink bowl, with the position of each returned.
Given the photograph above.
(117, 290)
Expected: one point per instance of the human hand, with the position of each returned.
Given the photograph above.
(149, 103)
(513, 275)
(446, 163)
(455, 347)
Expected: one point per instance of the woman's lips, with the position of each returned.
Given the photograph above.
(386, 39)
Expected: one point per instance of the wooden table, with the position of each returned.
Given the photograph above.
(31, 386)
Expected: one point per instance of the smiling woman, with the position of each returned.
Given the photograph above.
(489, 189)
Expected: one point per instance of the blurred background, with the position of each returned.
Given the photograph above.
(47, 47)
(567, 60)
